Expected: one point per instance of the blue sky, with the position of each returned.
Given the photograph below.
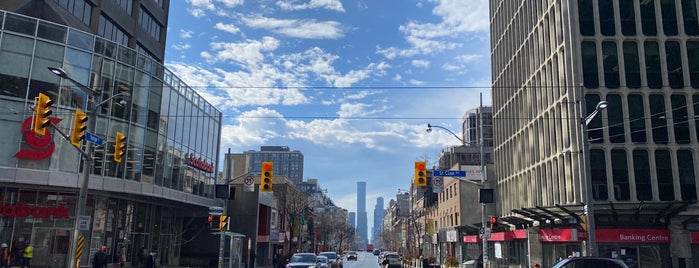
(350, 84)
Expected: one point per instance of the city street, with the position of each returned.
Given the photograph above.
(364, 260)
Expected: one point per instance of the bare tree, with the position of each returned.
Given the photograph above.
(291, 205)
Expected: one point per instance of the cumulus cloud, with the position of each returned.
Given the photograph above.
(230, 28)
(335, 5)
(421, 63)
(297, 28)
(186, 34)
(181, 46)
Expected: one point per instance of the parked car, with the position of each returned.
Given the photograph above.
(303, 260)
(377, 252)
(590, 262)
(352, 255)
(323, 261)
(333, 259)
(392, 260)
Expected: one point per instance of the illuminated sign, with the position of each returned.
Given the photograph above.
(200, 164)
(23, 211)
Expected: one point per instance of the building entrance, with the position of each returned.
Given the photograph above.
(50, 247)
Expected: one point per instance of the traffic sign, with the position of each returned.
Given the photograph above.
(84, 222)
(449, 173)
(94, 138)
(215, 211)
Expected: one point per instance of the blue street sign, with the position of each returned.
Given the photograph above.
(449, 173)
(94, 138)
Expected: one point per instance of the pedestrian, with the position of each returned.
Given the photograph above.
(252, 259)
(27, 254)
(143, 256)
(4, 256)
(150, 260)
(100, 260)
(425, 262)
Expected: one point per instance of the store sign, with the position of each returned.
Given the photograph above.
(633, 235)
(562, 235)
(200, 164)
(24, 211)
(41, 147)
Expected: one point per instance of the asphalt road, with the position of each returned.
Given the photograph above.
(364, 260)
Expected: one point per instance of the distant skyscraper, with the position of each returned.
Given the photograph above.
(379, 213)
(353, 219)
(362, 233)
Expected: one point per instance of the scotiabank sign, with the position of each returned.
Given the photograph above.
(22, 210)
(562, 235)
(200, 164)
(39, 147)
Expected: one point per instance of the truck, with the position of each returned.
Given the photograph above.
(369, 247)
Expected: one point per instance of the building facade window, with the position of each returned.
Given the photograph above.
(689, 14)
(598, 174)
(680, 119)
(81, 9)
(620, 175)
(685, 169)
(658, 118)
(675, 73)
(126, 5)
(586, 17)
(589, 64)
(610, 63)
(654, 77)
(669, 19)
(648, 18)
(615, 119)
(663, 173)
(606, 16)
(632, 66)
(111, 31)
(628, 17)
(641, 170)
(149, 24)
(637, 118)
(693, 63)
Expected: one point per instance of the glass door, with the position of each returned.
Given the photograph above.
(50, 247)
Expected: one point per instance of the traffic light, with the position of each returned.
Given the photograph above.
(42, 110)
(420, 174)
(119, 147)
(79, 127)
(266, 177)
(493, 222)
(223, 222)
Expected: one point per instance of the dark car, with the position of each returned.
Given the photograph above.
(352, 255)
(333, 259)
(303, 260)
(590, 262)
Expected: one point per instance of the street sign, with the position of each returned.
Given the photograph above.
(449, 173)
(84, 223)
(94, 138)
(215, 211)
(249, 184)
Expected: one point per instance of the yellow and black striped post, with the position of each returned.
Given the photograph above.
(79, 250)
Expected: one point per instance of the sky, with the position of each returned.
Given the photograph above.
(350, 84)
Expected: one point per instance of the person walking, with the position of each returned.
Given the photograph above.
(100, 260)
(27, 254)
(252, 259)
(4, 256)
(150, 260)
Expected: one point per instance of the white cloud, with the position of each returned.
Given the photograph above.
(231, 3)
(416, 82)
(335, 5)
(249, 52)
(421, 63)
(186, 34)
(230, 28)
(181, 46)
(305, 29)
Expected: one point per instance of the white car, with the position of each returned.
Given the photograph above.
(323, 261)
(303, 260)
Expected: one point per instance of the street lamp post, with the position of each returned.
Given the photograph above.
(483, 171)
(589, 198)
(87, 160)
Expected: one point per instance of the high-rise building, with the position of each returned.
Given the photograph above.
(352, 219)
(362, 232)
(140, 25)
(553, 62)
(167, 173)
(286, 162)
(379, 213)
(471, 129)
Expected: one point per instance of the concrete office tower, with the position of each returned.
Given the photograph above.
(552, 63)
(353, 219)
(379, 212)
(362, 232)
(139, 25)
(286, 162)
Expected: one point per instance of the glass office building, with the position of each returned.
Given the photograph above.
(136, 205)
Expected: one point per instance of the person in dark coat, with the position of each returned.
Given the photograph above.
(100, 260)
(150, 260)
(252, 259)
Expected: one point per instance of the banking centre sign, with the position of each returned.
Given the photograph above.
(22, 210)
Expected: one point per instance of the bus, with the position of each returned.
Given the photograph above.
(369, 247)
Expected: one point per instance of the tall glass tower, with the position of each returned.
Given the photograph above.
(361, 213)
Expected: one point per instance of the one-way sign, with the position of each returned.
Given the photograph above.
(449, 173)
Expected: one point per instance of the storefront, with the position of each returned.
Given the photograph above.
(558, 244)
(505, 249)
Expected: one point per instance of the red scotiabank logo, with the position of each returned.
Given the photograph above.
(41, 146)
(23, 211)
(200, 163)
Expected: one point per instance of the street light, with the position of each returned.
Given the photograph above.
(87, 159)
(591, 229)
(483, 172)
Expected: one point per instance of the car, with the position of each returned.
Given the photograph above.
(377, 252)
(323, 261)
(352, 255)
(590, 262)
(391, 260)
(303, 260)
(334, 259)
